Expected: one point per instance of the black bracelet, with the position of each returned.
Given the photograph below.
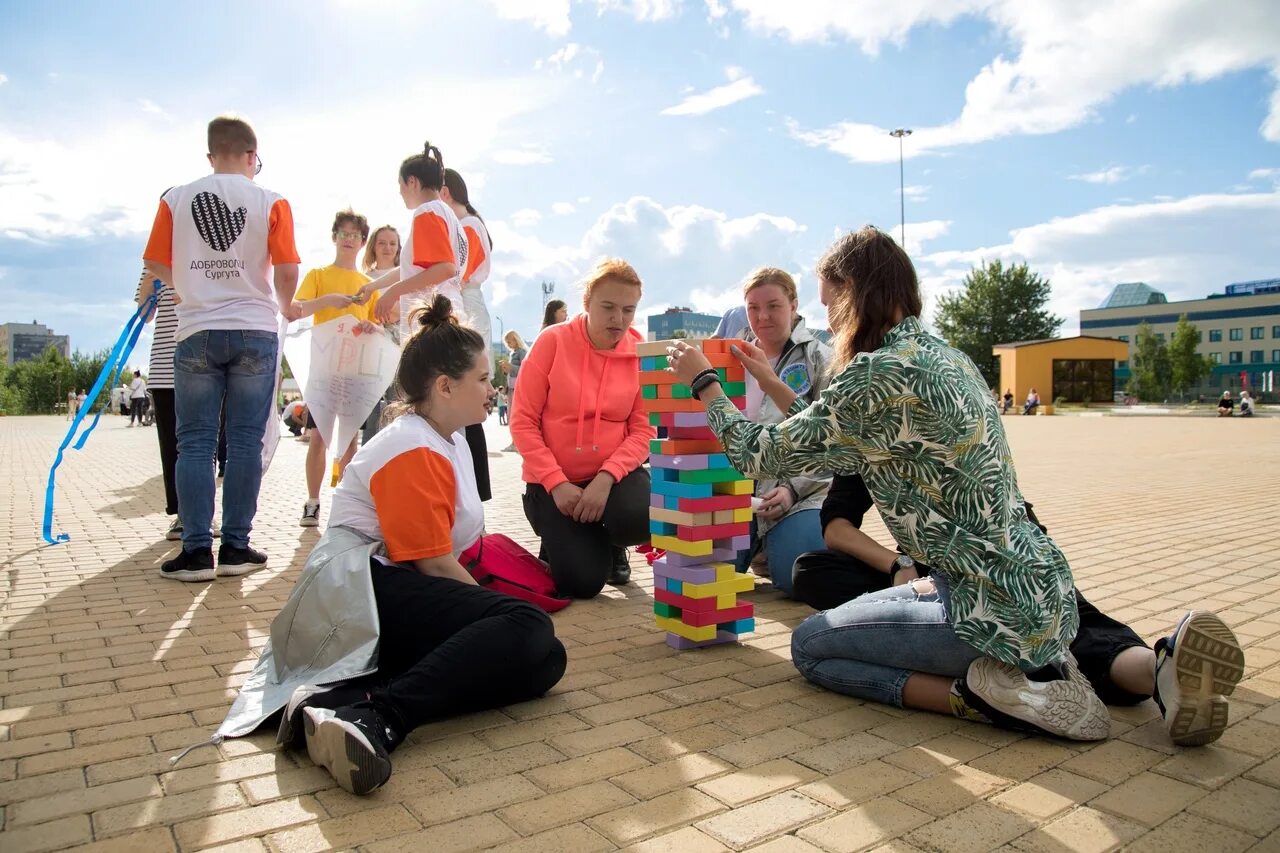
(710, 371)
(702, 383)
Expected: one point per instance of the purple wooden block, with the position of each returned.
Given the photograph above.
(655, 499)
(719, 555)
(691, 462)
(688, 574)
(737, 543)
(689, 419)
(679, 643)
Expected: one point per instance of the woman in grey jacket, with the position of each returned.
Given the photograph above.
(784, 362)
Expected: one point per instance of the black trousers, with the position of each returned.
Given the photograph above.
(167, 434)
(827, 579)
(448, 648)
(480, 459)
(137, 408)
(581, 555)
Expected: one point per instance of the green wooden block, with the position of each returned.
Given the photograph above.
(667, 610)
(655, 419)
(649, 392)
(711, 475)
(734, 389)
(681, 392)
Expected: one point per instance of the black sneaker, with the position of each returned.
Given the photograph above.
(190, 566)
(352, 744)
(233, 561)
(174, 533)
(1066, 707)
(331, 696)
(620, 573)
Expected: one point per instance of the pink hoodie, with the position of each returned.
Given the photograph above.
(576, 410)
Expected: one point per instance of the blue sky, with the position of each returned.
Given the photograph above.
(1098, 141)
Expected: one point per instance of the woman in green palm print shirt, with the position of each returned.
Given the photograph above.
(988, 636)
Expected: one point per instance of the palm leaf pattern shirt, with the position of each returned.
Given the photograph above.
(916, 420)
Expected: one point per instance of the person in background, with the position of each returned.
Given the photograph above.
(71, 403)
(516, 345)
(160, 374)
(733, 324)
(1007, 401)
(1033, 402)
(1226, 405)
(381, 256)
(583, 436)
(124, 399)
(555, 312)
(502, 401)
(137, 398)
(1246, 405)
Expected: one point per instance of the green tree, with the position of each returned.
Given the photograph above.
(1187, 366)
(41, 383)
(1151, 375)
(997, 305)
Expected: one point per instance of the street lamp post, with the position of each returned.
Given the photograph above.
(902, 197)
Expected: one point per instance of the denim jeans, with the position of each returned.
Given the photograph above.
(870, 646)
(240, 366)
(789, 538)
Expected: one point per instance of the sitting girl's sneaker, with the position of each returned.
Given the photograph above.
(1197, 668)
(1064, 707)
(353, 743)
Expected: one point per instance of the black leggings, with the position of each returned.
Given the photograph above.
(167, 434)
(581, 555)
(137, 410)
(827, 579)
(480, 459)
(448, 648)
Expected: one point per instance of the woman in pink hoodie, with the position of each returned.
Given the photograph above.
(577, 422)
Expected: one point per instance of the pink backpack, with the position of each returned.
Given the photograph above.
(500, 564)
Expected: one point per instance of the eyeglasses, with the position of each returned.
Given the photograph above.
(257, 170)
(347, 235)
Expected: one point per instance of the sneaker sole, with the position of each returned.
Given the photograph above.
(173, 537)
(309, 522)
(1209, 663)
(191, 575)
(238, 569)
(343, 750)
(1068, 709)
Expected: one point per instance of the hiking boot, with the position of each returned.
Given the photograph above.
(1197, 668)
(190, 566)
(620, 573)
(174, 533)
(310, 514)
(233, 561)
(331, 696)
(1064, 707)
(352, 743)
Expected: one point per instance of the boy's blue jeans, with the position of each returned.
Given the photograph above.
(870, 646)
(240, 365)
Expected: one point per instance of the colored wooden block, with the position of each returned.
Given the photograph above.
(664, 568)
(651, 348)
(734, 487)
(737, 543)
(673, 585)
(673, 516)
(718, 617)
(689, 632)
(690, 462)
(681, 490)
(653, 362)
(730, 343)
(702, 548)
(710, 531)
(671, 406)
(711, 345)
(709, 504)
(734, 389)
(739, 583)
(658, 377)
(681, 644)
(694, 433)
(726, 516)
(719, 476)
(667, 610)
(662, 528)
(675, 559)
(723, 359)
(648, 392)
(735, 374)
(679, 419)
(680, 392)
(741, 626)
(684, 447)
(684, 603)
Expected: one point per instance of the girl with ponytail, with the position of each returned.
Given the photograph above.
(479, 250)
(445, 646)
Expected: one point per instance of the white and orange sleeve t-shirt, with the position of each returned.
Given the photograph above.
(434, 237)
(221, 235)
(479, 247)
(414, 490)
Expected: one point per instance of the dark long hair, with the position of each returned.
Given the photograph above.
(458, 189)
(549, 313)
(439, 346)
(870, 277)
(427, 167)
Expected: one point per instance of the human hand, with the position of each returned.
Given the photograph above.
(590, 508)
(898, 577)
(388, 308)
(686, 361)
(363, 294)
(336, 300)
(292, 311)
(566, 496)
(775, 503)
(753, 359)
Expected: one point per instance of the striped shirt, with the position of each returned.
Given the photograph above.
(163, 342)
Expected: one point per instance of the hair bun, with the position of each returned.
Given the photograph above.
(438, 312)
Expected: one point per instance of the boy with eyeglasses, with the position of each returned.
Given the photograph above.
(326, 292)
(225, 245)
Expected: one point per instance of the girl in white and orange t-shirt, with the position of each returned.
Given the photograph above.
(479, 249)
(446, 646)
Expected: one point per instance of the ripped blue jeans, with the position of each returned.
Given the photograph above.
(870, 646)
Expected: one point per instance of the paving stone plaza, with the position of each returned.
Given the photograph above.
(107, 670)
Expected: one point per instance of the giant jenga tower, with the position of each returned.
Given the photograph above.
(700, 508)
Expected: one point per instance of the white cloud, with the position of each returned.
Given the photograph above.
(1070, 60)
(1188, 247)
(549, 15)
(740, 87)
(150, 106)
(526, 217)
(919, 233)
(1110, 175)
(642, 10)
(917, 192)
(563, 208)
(526, 155)
(575, 59)
(3, 79)
(1272, 174)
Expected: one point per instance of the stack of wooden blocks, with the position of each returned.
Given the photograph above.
(700, 508)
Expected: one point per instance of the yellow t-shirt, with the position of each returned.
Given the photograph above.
(331, 279)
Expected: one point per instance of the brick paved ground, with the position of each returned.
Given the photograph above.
(106, 670)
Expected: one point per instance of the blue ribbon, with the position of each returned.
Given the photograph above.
(111, 370)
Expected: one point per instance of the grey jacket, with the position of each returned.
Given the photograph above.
(326, 632)
(803, 366)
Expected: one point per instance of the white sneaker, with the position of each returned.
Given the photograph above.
(1197, 668)
(310, 514)
(1065, 708)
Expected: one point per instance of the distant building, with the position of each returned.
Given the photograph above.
(694, 325)
(28, 341)
(1075, 370)
(1239, 329)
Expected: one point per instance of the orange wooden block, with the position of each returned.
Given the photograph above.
(664, 392)
(657, 377)
(734, 374)
(686, 446)
(723, 359)
(661, 405)
(711, 345)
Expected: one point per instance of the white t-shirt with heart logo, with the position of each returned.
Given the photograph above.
(221, 235)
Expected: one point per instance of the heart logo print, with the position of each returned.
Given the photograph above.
(218, 226)
(358, 331)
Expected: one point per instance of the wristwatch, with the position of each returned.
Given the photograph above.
(902, 561)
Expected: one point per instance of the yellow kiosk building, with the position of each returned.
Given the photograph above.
(1077, 370)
